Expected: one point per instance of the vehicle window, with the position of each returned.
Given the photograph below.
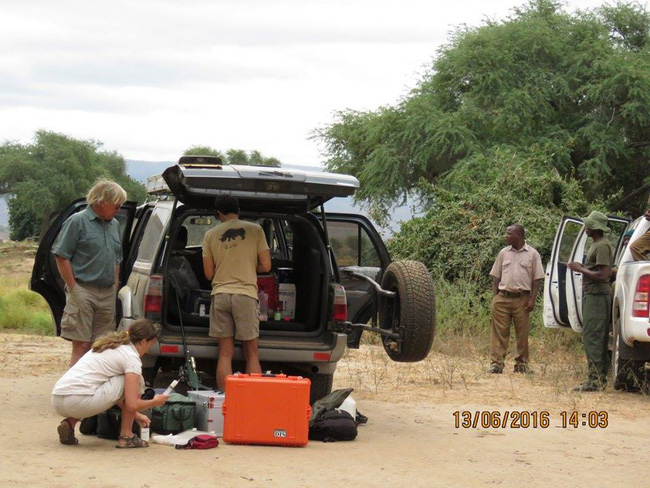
(153, 234)
(569, 237)
(196, 227)
(274, 244)
(288, 236)
(352, 244)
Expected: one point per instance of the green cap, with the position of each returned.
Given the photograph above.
(596, 221)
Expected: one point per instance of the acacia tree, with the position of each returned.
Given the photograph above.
(234, 156)
(572, 90)
(40, 178)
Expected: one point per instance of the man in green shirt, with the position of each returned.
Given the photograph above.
(596, 301)
(88, 253)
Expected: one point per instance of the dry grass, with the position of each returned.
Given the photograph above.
(20, 309)
(456, 372)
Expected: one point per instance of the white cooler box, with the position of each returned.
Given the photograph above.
(208, 410)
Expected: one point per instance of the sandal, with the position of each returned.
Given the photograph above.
(131, 442)
(66, 433)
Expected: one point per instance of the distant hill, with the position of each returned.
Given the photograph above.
(140, 170)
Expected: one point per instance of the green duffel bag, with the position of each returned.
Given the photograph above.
(175, 416)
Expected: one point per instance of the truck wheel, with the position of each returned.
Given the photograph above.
(628, 374)
(411, 313)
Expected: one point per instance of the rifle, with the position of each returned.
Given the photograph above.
(187, 372)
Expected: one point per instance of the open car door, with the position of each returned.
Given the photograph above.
(556, 312)
(357, 247)
(46, 280)
(563, 288)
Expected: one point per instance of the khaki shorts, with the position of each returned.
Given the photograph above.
(234, 315)
(82, 406)
(89, 313)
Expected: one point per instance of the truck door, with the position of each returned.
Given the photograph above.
(555, 303)
(357, 247)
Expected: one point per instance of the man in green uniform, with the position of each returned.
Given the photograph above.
(596, 301)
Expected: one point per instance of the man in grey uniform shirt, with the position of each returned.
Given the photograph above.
(88, 254)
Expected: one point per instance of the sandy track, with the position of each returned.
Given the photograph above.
(410, 440)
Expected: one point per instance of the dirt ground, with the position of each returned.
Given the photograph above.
(410, 439)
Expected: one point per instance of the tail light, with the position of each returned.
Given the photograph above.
(340, 312)
(641, 302)
(153, 298)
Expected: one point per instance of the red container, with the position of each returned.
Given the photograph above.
(266, 409)
(270, 286)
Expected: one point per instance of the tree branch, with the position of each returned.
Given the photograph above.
(620, 205)
(639, 144)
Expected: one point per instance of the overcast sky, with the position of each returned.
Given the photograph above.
(150, 78)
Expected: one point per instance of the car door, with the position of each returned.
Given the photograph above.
(358, 247)
(556, 312)
(46, 280)
(563, 287)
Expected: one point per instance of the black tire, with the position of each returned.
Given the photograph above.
(628, 374)
(411, 313)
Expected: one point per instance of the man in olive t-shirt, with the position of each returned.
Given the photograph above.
(233, 253)
(596, 301)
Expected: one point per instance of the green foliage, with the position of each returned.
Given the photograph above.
(463, 231)
(233, 156)
(42, 177)
(574, 88)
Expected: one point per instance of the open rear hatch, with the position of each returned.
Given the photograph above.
(197, 180)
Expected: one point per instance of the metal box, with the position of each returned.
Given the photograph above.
(208, 412)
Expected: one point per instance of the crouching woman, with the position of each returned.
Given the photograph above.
(110, 374)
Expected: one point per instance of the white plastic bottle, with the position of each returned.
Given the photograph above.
(170, 387)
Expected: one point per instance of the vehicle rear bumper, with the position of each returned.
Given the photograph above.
(323, 357)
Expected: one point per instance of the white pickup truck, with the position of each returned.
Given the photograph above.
(630, 331)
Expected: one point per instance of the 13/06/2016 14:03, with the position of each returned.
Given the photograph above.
(486, 419)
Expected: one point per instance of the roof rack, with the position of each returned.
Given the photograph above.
(156, 185)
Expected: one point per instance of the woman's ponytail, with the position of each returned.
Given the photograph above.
(111, 341)
(141, 329)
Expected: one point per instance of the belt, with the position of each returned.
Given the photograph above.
(513, 294)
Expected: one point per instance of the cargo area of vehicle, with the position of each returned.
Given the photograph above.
(296, 287)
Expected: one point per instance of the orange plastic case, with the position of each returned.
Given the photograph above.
(266, 409)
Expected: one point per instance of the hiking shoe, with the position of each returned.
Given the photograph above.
(495, 369)
(523, 368)
(589, 386)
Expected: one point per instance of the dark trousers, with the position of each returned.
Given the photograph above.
(596, 317)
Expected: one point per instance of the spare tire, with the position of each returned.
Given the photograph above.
(411, 313)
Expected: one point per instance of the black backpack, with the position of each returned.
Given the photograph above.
(333, 425)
